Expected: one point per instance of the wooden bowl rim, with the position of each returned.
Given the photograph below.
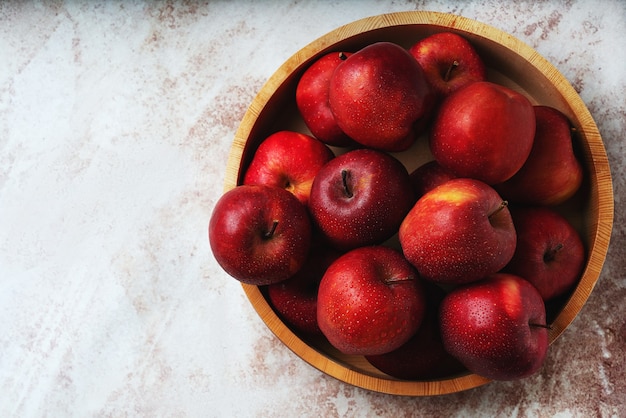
(601, 185)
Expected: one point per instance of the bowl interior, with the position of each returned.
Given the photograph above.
(511, 63)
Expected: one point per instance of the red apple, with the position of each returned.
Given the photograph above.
(360, 198)
(552, 173)
(496, 327)
(312, 100)
(370, 301)
(449, 61)
(550, 253)
(378, 95)
(295, 299)
(428, 176)
(260, 234)
(423, 357)
(289, 160)
(483, 131)
(459, 232)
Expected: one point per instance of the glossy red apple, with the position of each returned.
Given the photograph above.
(496, 327)
(449, 61)
(378, 95)
(260, 234)
(423, 357)
(312, 100)
(360, 198)
(459, 232)
(552, 173)
(289, 160)
(550, 253)
(295, 299)
(483, 131)
(370, 301)
(428, 176)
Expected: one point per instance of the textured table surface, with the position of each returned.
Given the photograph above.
(115, 123)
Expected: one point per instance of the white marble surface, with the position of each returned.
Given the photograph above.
(115, 123)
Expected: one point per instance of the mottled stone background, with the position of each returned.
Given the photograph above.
(115, 123)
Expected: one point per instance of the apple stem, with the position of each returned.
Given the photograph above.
(392, 280)
(502, 206)
(550, 255)
(546, 326)
(454, 64)
(270, 233)
(343, 56)
(344, 178)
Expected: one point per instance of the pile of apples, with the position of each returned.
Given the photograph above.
(442, 270)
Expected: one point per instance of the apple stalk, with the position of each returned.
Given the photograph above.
(448, 73)
(550, 254)
(502, 206)
(269, 234)
(344, 179)
(394, 280)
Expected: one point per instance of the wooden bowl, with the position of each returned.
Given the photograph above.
(510, 62)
